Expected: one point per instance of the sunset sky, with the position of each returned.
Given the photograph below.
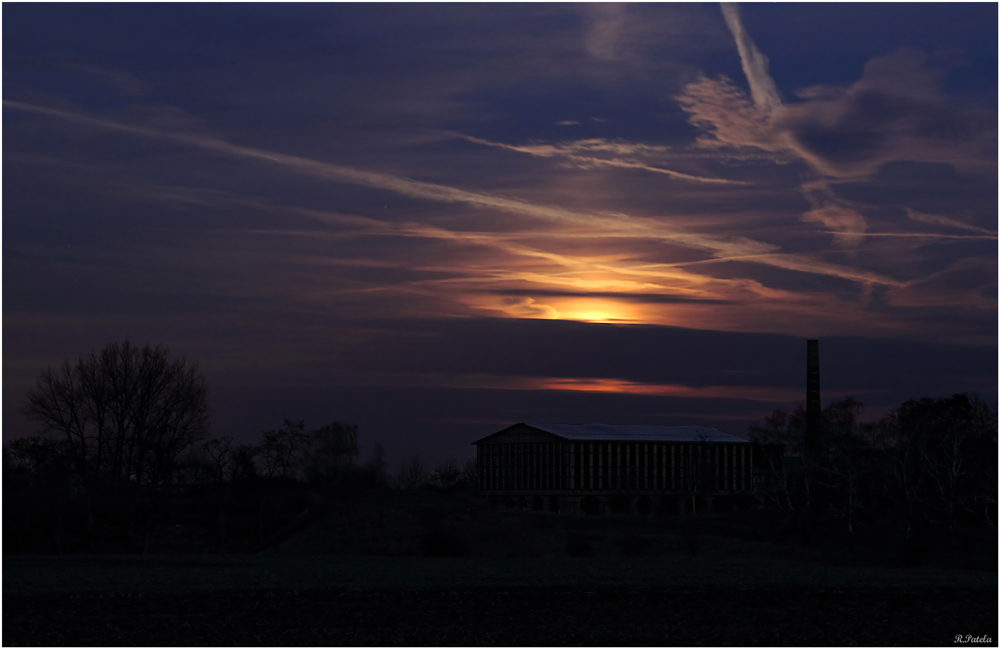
(438, 220)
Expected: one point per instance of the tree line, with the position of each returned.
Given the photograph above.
(123, 450)
(123, 440)
(928, 466)
(326, 455)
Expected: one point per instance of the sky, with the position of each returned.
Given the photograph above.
(437, 220)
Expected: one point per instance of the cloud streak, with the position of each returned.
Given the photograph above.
(762, 88)
(895, 112)
(572, 152)
(948, 222)
(605, 224)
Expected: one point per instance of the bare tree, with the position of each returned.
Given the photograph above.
(843, 457)
(375, 466)
(243, 462)
(951, 446)
(333, 452)
(43, 469)
(470, 473)
(283, 449)
(126, 413)
(196, 467)
(220, 451)
(446, 474)
(411, 474)
(781, 433)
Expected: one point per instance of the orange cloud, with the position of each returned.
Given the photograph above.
(618, 386)
(594, 224)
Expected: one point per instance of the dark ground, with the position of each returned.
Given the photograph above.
(530, 616)
(289, 527)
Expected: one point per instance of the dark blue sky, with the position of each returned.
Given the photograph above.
(437, 220)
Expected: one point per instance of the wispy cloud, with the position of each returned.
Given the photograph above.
(774, 394)
(948, 222)
(762, 88)
(968, 284)
(849, 226)
(581, 153)
(517, 275)
(605, 224)
(895, 112)
(922, 235)
(605, 34)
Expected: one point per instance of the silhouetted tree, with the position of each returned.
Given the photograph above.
(374, 468)
(220, 451)
(242, 462)
(946, 451)
(126, 413)
(781, 434)
(333, 452)
(843, 456)
(470, 473)
(935, 458)
(282, 450)
(39, 474)
(196, 467)
(446, 474)
(411, 474)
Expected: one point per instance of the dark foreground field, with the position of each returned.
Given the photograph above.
(412, 568)
(519, 616)
(323, 600)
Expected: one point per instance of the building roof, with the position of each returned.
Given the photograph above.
(611, 432)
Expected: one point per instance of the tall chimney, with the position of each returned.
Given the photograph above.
(813, 405)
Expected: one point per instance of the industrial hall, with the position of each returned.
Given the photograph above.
(611, 469)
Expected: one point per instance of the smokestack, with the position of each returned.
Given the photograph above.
(813, 405)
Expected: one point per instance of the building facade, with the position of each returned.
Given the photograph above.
(598, 468)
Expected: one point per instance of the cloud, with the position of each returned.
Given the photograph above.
(762, 88)
(945, 221)
(120, 81)
(656, 298)
(581, 153)
(576, 284)
(628, 38)
(848, 224)
(546, 349)
(727, 116)
(918, 235)
(525, 307)
(607, 386)
(604, 36)
(602, 224)
(895, 112)
(835, 213)
(618, 386)
(591, 146)
(968, 283)
(477, 272)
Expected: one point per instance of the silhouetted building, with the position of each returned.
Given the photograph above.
(597, 468)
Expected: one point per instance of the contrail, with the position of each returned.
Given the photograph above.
(591, 160)
(936, 219)
(768, 102)
(918, 235)
(762, 88)
(635, 226)
(610, 224)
